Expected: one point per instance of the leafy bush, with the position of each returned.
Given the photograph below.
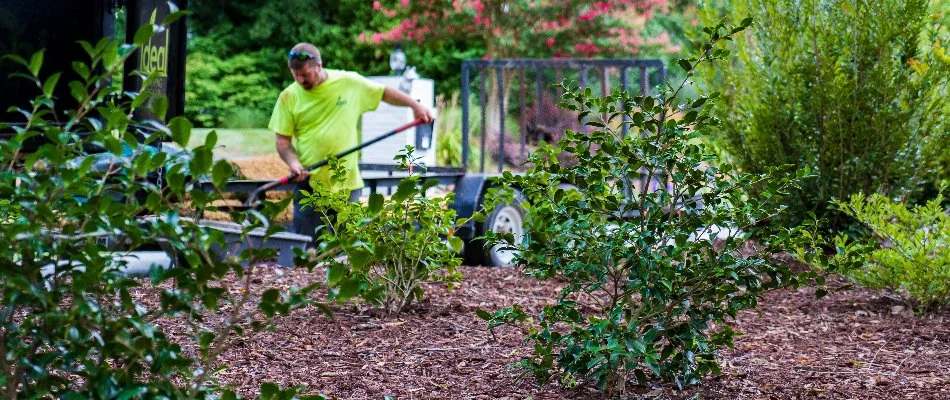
(392, 245)
(71, 327)
(855, 91)
(235, 91)
(651, 276)
(911, 252)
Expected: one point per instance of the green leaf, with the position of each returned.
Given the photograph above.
(201, 161)
(359, 258)
(174, 16)
(689, 117)
(78, 91)
(141, 97)
(478, 217)
(211, 139)
(181, 131)
(685, 65)
(221, 173)
(349, 289)
(36, 62)
(406, 188)
(485, 315)
(228, 395)
(375, 203)
(17, 59)
(50, 84)
(269, 390)
(160, 107)
(648, 102)
(335, 274)
(143, 35)
(456, 243)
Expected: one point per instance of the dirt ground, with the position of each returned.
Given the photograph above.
(848, 345)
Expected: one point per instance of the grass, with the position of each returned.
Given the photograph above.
(236, 143)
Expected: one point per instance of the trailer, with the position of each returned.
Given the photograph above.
(503, 89)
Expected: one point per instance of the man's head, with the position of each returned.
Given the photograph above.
(305, 64)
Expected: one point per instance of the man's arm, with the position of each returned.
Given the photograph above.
(285, 148)
(397, 98)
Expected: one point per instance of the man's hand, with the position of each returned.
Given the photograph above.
(422, 113)
(287, 153)
(297, 168)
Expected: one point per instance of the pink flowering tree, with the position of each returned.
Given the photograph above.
(524, 28)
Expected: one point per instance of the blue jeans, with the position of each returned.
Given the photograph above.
(306, 219)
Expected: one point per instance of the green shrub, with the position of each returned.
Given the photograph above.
(233, 91)
(857, 92)
(392, 245)
(911, 249)
(70, 326)
(648, 289)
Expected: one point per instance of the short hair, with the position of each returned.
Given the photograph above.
(294, 63)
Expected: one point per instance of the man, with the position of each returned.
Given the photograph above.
(317, 116)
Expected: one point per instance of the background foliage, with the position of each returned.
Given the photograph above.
(251, 38)
(854, 91)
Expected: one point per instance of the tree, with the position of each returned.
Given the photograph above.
(525, 28)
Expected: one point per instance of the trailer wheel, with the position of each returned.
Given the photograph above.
(506, 218)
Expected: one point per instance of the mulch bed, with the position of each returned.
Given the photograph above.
(852, 344)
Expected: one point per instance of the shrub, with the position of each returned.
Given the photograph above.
(856, 92)
(234, 92)
(651, 276)
(911, 249)
(71, 327)
(392, 245)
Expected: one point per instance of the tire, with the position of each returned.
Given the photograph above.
(506, 218)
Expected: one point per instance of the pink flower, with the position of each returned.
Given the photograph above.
(405, 3)
(550, 42)
(587, 16)
(377, 5)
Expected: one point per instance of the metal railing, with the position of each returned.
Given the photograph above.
(610, 72)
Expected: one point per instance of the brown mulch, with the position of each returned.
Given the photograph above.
(848, 345)
(261, 167)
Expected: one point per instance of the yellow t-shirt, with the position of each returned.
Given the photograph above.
(323, 121)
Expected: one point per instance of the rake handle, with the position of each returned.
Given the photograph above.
(287, 179)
